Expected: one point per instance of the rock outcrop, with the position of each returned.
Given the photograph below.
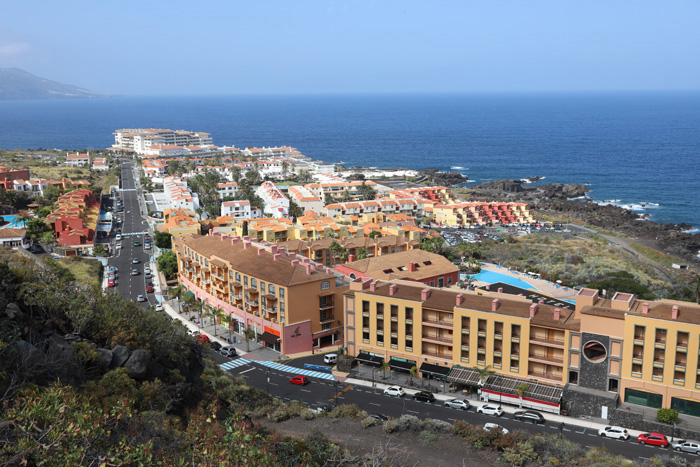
(137, 365)
(120, 354)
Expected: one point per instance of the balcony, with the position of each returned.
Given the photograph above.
(437, 322)
(237, 296)
(547, 341)
(550, 376)
(253, 302)
(327, 306)
(446, 356)
(271, 309)
(547, 358)
(326, 318)
(437, 338)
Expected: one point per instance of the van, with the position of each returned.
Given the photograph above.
(330, 359)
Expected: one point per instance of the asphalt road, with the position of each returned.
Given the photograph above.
(128, 285)
(322, 392)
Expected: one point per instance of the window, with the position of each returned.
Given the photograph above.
(365, 336)
(282, 308)
(449, 280)
(365, 306)
(271, 289)
(230, 275)
(573, 377)
(613, 385)
(245, 281)
(649, 399)
(262, 287)
(515, 331)
(254, 283)
(206, 262)
(639, 332)
(409, 344)
(409, 313)
(380, 339)
(325, 285)
(238, 277)
(326, 327)
(514, 365)
(432, 283)
(281, 293)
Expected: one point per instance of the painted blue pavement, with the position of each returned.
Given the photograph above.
(276, 366)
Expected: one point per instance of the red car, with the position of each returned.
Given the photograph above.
(203, 338)
(300, 380)
(149, 288)
(654, 439)
(110, 283)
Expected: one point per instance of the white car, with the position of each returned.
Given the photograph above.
(394, 391)
(495, 427)
(119, 237)
(490, 409)
(457, 404)
(159, 307)
(616, 432)
(140, 298)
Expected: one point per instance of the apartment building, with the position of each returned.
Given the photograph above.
(276, 203)
(178, 222)
(138, 140)
(412, 265)
(32, 187)
(435, 194)
(154, 168)
(179, 195)
(480, 213)
(305, 198)
(100, 163)
(339, 190)
(74, 220)
(78, 160)
(227, 189)
(407, 206)
(289, 302)
(239, 209)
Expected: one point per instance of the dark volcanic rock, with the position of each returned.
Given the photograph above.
(13, 312)
(137, 365)
(448, 178)
(106, 355)
(120, 355)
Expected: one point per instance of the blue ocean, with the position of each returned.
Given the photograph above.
(640, 150)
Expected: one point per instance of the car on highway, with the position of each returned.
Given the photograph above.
(330, 358)
(495, 427)
(300, 380)
(134, 272)
(378, 416)
(215, 346)
(653, 439)
(135, 261)
(686, 446)
(228, 351)
(137, 243)
(159, 307)
(490, 409)
(110, 283)
(140, 298)
(395, 391)
(147, 246)
(424, 396)
(529, 416)
(118, 237)
(616, 432)
(149, 289)
(457, 404)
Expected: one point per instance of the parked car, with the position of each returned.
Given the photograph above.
(495, 427)
(134, 272)
(110, 283)
(686, 446)
(135, 261)
(330, 359)
(300, 380)
(215, 346)
(140, 298)
(490, 409)
(529, 416)
(159, 307)
(394, 391)
(118, 237)
(457, 404)
(203, 338)
(616, 432)
(424, 396)
(149, 289)
(378, 416)
(654, 439)
(192, 332)
(228, 351)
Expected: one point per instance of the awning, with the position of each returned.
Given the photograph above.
(405, 365)
(465, 376)
(188, 294)
(369, 359)
(435, 370)
(536, 391)
(269, 338)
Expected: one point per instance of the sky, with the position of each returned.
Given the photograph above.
(306, 47)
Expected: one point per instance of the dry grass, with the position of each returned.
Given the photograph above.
(87, 271)
(654, 255)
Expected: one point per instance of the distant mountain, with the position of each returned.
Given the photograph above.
(16, 84)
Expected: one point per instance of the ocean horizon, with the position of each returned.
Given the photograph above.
(639, 150)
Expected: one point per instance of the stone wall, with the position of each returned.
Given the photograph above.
(594, 375)
(636, 421)
(582, 401)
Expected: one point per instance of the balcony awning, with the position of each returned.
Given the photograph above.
(269, 338)
(435, 370)
(326, 293)
(405, 365)
(536, 391)
(369, 359)
(465, 376)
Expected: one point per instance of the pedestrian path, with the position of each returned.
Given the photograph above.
(235, 363)
(277, 366)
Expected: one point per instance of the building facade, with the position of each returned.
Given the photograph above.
(276, 203)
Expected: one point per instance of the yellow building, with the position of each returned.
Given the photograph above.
(180, 222)
(290, 302)
(480, 214)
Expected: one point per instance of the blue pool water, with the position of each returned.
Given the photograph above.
(12, 219)
(491, 277)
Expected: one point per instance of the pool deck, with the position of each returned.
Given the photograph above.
(545, 287)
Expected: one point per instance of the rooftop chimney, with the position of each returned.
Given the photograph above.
(211, 231)
(533, 310)
(276, 256)
(373, 286)
(412, 266)
(674, 312)
(246, 238)
(246, 244)
(645, 308)
(500, 290)
(488, 286)
(424, 294)
(366, 283)
(308, 269)
(273, 249)
(295, 262)
(221, 237)
(292, 254)
(495, 304)
(459, 299)
(557, 314)
(351, 258)
(392, 289)
(260, 251)
(541, 301)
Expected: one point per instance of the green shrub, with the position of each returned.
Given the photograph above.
(347, 411)
(369, 421)
(427, 438)
(391, 426)
(667, 415)
(438, 426)
(410, 423)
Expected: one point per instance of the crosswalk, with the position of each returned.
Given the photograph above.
(133, 233)
(277, 366)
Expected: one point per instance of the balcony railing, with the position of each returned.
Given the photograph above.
(326, 318)
(546, 340)
(547, 358)
(447, 356)
(253, 302)
(237, 296)
(271, 309)
(437, 338)
(438, 322)
(552, 376)
(327, 306)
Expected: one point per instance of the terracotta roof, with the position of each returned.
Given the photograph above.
(396, 265)
(12, 233)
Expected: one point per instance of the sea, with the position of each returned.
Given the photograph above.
(636, 150)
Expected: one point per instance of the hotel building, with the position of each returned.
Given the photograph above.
(479, 213)
(139, 140)
(292, 304)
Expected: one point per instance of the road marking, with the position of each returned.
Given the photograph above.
(305, 390)
(582, 432)
(412, 411)
(374, 403)
(246, 371)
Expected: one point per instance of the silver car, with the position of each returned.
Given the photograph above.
(457, 404)
(686, 446)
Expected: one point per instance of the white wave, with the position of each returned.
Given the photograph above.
(692, 230)
(530, 180)
(640, 206)
(457, 167)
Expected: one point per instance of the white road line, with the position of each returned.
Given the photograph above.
(246, 371)
(374, 403)
(412, 411)
(305, 390)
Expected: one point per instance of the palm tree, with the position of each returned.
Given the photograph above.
(178, 292)
(361, 253)
(384, 366)
(248, 334)
(199, 212)
(189, 301)
(521, 388)
(484, 374)
(217, 312)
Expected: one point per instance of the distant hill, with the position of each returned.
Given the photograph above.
(16, 84)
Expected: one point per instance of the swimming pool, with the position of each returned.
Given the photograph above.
(492, 277)
(12, 219)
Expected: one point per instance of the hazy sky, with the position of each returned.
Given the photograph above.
(271, 47)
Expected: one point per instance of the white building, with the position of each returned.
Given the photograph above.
(153, 168)
(276, 203)
(305, 199)
(240, 209)
(179, 195)
(13, 237)
(228, 189)
(77, 160)
(100, 163)
(32, 187)
(140, 139)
